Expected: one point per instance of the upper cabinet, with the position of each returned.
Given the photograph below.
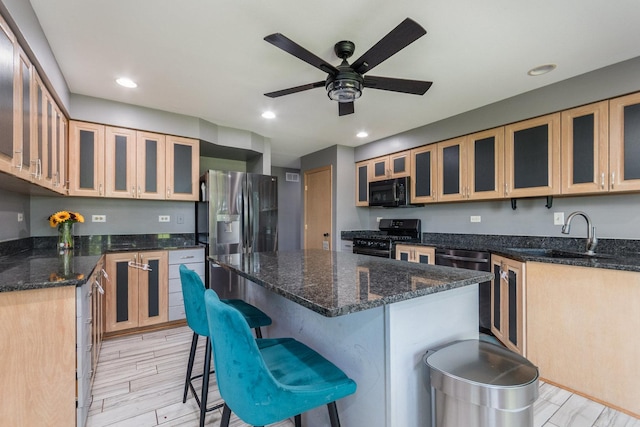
(124, 163)
(624, 143)
(472, 167)
(391, 166)
(11, 155)
(532, 157)
(585, 149)
(86, 159)
(183, 166)
(362, 183)
(424, 174)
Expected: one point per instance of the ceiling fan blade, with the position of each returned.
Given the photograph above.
(345, 108)
(400, 37)
(299, 52)
(415, 87)
(294, 89)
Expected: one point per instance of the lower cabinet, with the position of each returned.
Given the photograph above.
(508, 302)
(416, 253)
(137, 290)
(194, 260)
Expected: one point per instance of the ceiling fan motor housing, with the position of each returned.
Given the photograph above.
(344, 86)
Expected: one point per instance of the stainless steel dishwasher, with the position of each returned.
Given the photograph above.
(472, 260)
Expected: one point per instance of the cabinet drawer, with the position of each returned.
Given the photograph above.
(175, 285)
(176, 299)
(174, 269)
(186, 256)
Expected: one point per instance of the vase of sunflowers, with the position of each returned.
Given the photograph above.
(64, 220)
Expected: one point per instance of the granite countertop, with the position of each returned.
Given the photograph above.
(339, 283)
(614, 254)
(35, 263)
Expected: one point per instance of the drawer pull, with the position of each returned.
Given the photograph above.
(187, 256)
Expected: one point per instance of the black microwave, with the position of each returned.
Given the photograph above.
(389, 193)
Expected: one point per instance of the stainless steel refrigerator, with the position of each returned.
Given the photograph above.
(237, 213)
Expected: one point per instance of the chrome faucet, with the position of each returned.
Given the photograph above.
(592, 240)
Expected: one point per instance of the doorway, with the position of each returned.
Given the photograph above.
(317, 208)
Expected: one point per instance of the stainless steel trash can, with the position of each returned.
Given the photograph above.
(480, 384)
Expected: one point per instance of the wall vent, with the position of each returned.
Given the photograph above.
(292, 177)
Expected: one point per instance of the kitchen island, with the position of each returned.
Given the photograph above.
(373, 317)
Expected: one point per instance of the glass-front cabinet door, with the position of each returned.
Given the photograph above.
(86, 159)
(120, 162)
(624, 143)
(424, 175)
(532, 157)
(362, 183)
(585, 149)
(182, 168)
(11, 156)
(452, 177)
(485, 160)
(150, 168)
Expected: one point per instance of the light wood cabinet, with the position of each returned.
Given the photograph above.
(134, 163)
(11, 154)
(136, 295)
(585, 149)
(624, 143)
(392, 166)
(582, 328)
(38, 370)
(86, 159)
(452, 170)
(362, 183)
(532, 157)
(23, 140)
(182, 159)
(424, 174)
(416, 253)
(508, 303)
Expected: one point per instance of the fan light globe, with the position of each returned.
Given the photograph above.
(344, 90)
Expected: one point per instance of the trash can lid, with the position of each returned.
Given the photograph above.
(483, 362)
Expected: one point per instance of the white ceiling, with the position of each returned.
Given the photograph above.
(208, 59)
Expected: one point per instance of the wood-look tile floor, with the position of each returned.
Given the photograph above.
(139, 383)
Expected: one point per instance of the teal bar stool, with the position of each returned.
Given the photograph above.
(193, 292)
(267, 381)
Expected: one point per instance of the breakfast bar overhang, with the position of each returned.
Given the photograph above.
(373, 317)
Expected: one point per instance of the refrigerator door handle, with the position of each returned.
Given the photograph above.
(250, 207)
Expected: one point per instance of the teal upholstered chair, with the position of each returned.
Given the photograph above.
(266, 381)
(193, 294)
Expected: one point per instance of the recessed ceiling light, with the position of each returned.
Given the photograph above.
(542, 69)
(269, 115)
(362, 134)
(126, 82)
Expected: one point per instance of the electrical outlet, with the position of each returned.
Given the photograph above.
(164, 218)
(558, 218)
(476, 218)
(98, 218)
(179, 219)
(20, 217)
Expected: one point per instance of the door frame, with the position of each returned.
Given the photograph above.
(304, 189)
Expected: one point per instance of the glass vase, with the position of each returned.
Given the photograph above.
(65, 235)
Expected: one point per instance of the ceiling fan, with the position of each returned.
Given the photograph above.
(345, 82)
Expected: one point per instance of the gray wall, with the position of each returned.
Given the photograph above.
(615, 216)
(124, 216)
(13, 204)
(289, 210)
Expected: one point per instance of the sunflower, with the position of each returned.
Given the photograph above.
(64, 216)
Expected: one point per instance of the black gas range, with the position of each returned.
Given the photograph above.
(392, 231)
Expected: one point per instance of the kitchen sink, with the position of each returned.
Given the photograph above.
(555, 253)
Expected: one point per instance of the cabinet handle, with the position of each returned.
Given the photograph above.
(19, 165)
(602, 180)
(99, 287)
(105, 275)
(133, 191)
(613, 179)
(139, 192)
(168, 192)
(187, 256)
(100, 189)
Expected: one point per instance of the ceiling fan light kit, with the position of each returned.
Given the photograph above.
(345, 82)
